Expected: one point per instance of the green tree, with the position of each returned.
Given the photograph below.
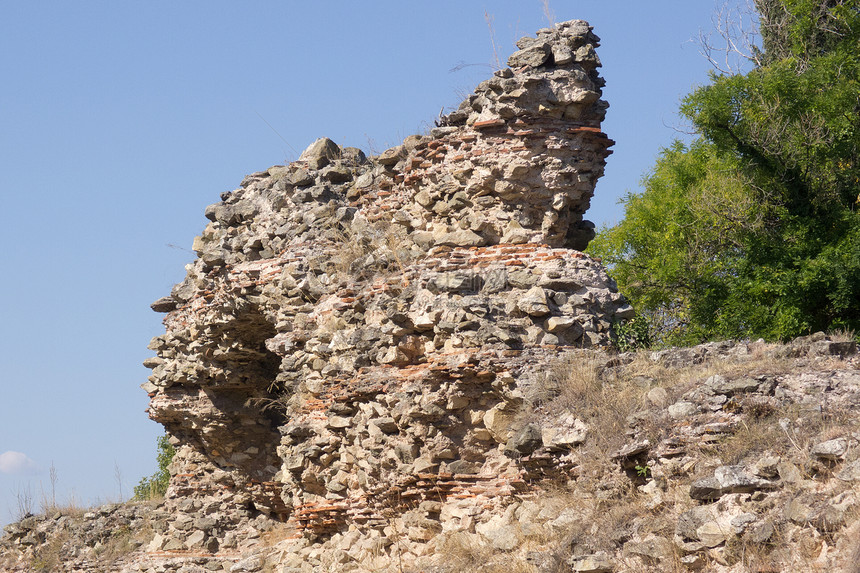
(753, 230)
(155, 485)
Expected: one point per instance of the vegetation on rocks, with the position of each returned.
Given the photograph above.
(724, 457)
(155, 486)
(753, 229)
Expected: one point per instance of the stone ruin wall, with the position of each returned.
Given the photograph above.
(362, 372)
(360, 338)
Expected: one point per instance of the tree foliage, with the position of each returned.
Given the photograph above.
(753, 229)
(155, 485)
(804, 29)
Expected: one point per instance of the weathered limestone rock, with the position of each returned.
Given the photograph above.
(320, 153)
(727, 479)
(831, 449)
(596, 563)
(682, 409)
(564, 433)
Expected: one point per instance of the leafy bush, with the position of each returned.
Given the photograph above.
(155, 486)
(754, 230)
(633, 334)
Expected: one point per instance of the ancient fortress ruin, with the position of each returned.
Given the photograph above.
(360, 336)
(399, 364)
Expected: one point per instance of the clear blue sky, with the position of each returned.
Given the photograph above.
(121, 121)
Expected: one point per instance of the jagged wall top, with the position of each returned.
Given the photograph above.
(549, 95)
(516, 163)
(553, 75)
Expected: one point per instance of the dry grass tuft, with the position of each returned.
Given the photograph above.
(754, 436)
(842, 335)
(364, 251)
(601, 402)
(120, 543)
(467, 552)
(611, 399)
(49, 556)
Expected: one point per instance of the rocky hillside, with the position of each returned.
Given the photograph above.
(404, 363)
(726, 457)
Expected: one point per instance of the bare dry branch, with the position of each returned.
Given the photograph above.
(548, 13)
(737, 38)
(489, 18)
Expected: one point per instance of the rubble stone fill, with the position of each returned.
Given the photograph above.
(357, 334)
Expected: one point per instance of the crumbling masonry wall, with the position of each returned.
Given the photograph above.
(360, 338)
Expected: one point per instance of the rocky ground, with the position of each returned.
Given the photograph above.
(722, 457)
